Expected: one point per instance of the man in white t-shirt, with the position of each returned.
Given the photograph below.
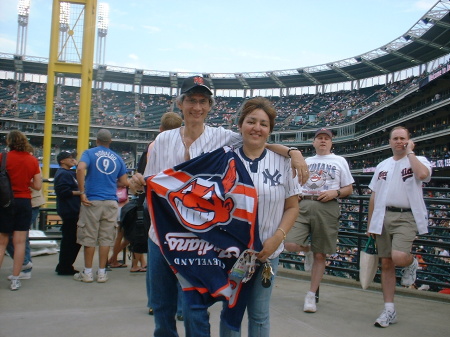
(397, 212)
(329, 179)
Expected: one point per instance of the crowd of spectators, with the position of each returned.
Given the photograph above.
(127, 109)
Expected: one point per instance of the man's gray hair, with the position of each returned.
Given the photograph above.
(182, 97)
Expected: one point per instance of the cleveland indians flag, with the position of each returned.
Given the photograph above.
(204, 213)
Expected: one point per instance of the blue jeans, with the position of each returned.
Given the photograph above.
(258, 308)
(149, 287)
(34, 215)
(10, 250)
(163, 294)
(164, 299)
(196, 321)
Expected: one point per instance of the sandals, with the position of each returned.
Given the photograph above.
(117, 265)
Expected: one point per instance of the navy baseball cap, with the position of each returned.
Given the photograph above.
(325, 131)
(195, 84)
(63, 155)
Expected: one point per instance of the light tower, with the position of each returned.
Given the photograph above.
(102, 31)
(23, 9)
(64, 20)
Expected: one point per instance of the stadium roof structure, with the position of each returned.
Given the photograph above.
(427, 40)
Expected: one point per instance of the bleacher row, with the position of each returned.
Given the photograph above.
(26, 100)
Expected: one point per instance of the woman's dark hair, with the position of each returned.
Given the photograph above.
(258, 103)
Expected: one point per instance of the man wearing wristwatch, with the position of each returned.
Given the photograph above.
(397, 212)
(329, 179)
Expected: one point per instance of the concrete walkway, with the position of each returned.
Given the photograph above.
(57, 306)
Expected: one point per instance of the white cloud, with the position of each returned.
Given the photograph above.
(152, 29)
(424, 5)
(133, 57)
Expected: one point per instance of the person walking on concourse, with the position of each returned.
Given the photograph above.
(397, 212)
(329, 179)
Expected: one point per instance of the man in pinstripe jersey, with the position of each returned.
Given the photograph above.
(171, 148)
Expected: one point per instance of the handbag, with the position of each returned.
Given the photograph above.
(122, 194)
(6, 192)
(368, 263)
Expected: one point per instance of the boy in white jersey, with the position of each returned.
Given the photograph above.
(396, 213)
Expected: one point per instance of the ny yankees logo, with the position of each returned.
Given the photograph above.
(274, 178)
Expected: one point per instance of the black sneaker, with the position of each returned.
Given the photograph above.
(67, 272)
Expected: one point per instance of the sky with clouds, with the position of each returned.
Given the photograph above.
(227, 36)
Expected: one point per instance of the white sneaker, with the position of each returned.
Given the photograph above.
(22, 276)
(27, 266)
(310, 303)
(409, 274)
(386, 318)
(102, 278)
(81, 276)
(309, 260)
(15, 284)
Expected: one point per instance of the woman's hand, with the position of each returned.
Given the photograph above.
(270, 246)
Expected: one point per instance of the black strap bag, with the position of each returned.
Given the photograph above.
(6, 193)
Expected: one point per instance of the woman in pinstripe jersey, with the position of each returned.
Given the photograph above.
(277, 205)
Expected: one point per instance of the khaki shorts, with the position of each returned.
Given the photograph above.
(320, 221)
(399, 232)
(97, 223)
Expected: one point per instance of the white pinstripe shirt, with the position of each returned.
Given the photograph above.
(272, 177)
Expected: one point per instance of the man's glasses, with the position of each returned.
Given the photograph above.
(192, 101)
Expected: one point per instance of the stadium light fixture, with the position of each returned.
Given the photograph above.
(64, 15)
(23, 7)
(103, 16)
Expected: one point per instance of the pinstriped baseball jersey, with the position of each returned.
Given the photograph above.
(272, 176)
(168, 150)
